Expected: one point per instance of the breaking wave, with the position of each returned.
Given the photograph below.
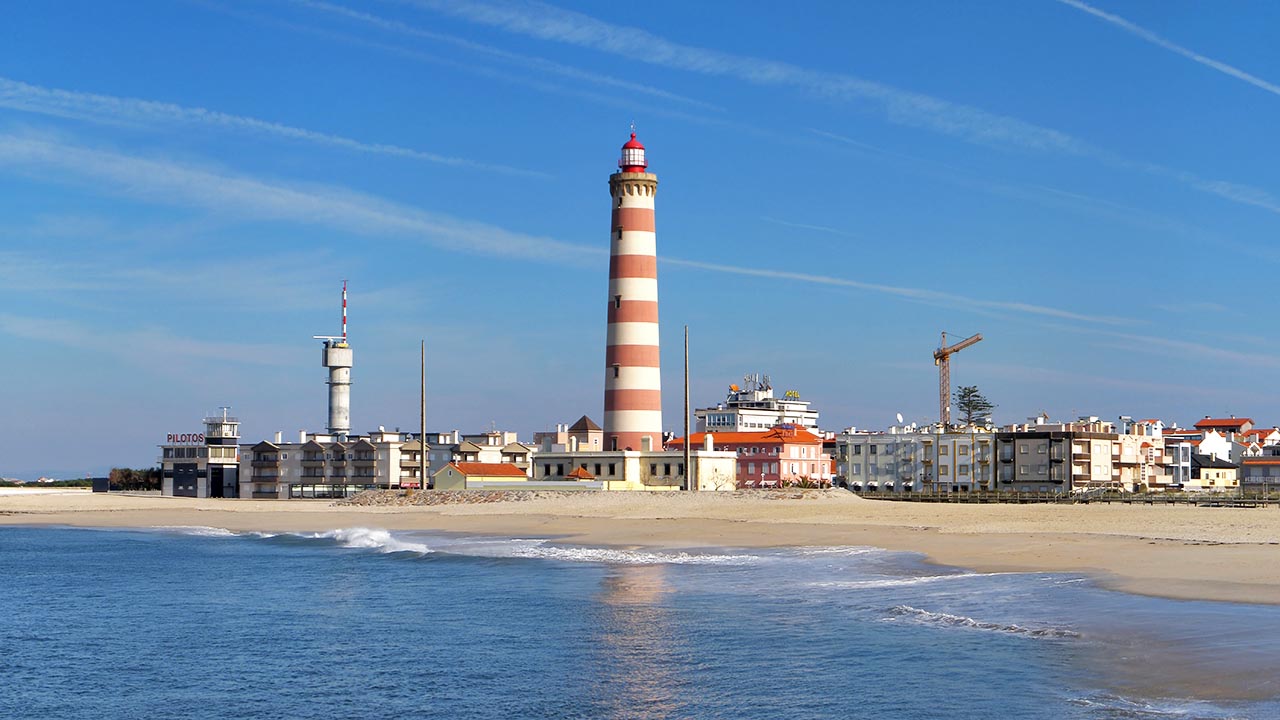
(198, 531)
(616, 556)
(369, 539)
(902, 582)
(948, 620)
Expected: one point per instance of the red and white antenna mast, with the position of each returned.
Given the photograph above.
(344, 311)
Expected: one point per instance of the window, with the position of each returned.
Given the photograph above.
(619, 237)
(963, 449)
(597, 469)
(943, 450)
(1042, 469)
(546, 469)
(615, 369)
(1023, 469)
(873, 449)
(962, 470)
(943, 470)
(559, 469)
(855, 469)
(751, 468)
(1022, 449)
(611, 470)
(857, 449)
(653, 468)
(666, 468)
(680, 469)
(1040, 449)
(617, 301)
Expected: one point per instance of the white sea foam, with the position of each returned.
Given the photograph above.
(624, 557)
(198, 531)
(901, 582)
(838, 550)
(1122, 707)
(948, 620)
(370, 539)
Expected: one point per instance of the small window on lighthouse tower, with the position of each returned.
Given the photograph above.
(615, 369)
(617, 301)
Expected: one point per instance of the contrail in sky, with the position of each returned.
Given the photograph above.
(18, 95)
(1171, 46)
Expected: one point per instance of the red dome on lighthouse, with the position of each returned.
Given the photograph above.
(633, 156)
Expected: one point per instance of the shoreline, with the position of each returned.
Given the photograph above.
(1183, 553)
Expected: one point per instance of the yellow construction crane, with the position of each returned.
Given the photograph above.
(942, 358)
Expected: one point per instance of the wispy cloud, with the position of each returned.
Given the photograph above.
(17, 95)
(903, 107)
(1171, 46)
(807, 226)
(143, 345)
(899, 106)
(169, 183)
(919, 294)
(518, 59)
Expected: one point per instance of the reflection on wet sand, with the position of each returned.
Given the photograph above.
(640, 653)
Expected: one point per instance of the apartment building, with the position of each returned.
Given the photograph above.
(782, 455)
(907, 459)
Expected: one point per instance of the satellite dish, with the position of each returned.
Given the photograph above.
(899, 418)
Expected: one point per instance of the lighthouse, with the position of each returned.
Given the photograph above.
(633, 377)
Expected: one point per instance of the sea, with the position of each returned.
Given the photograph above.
(192, 622)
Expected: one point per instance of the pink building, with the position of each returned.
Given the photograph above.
(783, 455)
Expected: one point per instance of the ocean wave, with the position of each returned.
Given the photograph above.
(838, 550)
(198, 531)
(614, 556)
(948, 620)
(1114, 706)
(900, 582)
(368, 539)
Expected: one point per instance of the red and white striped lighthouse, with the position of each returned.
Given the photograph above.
(633, 378)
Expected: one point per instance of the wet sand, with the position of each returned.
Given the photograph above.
(1226, 554)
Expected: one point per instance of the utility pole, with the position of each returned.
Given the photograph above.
(422, 437)
(689, 482)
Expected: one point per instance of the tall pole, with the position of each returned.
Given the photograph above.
(689, 482)
(422, 436)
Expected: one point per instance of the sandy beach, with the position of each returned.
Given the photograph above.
(1226, 554)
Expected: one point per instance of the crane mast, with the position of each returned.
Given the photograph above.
(942, 358)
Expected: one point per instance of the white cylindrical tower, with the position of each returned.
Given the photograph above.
(338, 358)
(633, 382)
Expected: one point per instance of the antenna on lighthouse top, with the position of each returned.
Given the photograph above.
(344, 311)
(633, 126)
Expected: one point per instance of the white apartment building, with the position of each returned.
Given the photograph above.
(907, 459)
(752, 407)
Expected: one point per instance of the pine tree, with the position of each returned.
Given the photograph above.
(972, 404)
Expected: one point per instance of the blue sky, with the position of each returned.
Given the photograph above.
(185, 185)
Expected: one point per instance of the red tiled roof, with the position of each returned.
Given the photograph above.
(581, 473)
(1269, 460)
(774, 436)
(489, 469)
(1223, 422)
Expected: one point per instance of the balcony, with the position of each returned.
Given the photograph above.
(265, 463)
(308, 462)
